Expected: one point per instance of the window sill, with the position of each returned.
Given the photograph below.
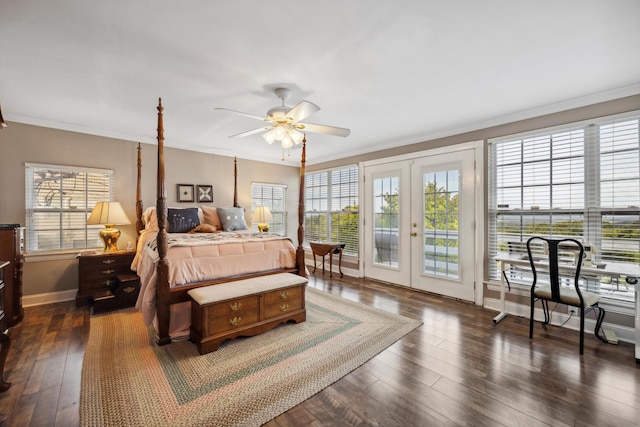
(55, 256)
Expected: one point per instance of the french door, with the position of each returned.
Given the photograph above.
(419, 223)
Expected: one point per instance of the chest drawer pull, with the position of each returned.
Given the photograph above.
(234, 306)
(284, 295)
(108, 261)
(108, 271)
(235, 321)
(284, 307)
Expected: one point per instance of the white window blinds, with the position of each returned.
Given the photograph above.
(59, 200)
(331, 207)
(580, 180)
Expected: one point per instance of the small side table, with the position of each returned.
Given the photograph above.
(324, 248)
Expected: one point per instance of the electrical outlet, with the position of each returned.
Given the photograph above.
(572, 310)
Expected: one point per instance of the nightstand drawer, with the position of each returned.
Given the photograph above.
(103, 272)
(98, 263)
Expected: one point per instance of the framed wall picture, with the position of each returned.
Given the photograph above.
(185, 193)
(205, 193)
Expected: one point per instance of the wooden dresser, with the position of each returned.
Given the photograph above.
(99, 273)
(5, 341)
(12, 250)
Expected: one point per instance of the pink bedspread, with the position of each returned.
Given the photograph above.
(205, 256)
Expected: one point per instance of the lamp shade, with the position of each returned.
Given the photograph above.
(262, 214)
(108, 213)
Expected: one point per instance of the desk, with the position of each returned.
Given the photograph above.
(324, 248)
(506, 260)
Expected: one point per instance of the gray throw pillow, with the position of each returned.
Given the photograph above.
(232, 219)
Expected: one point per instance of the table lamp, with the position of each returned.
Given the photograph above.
(262, 215)
(108, 214)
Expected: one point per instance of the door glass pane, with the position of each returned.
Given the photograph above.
(385, 218)
(441, 216)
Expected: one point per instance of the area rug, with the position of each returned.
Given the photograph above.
(129, 381)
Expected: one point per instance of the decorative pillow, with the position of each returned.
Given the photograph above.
(232, 219)
(204, 228)
(182, 220)
(210, 216)
(149, 219)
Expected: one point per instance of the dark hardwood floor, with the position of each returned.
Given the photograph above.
(458, 368)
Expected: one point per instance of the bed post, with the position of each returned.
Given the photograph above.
(139, 225)
(235, 183)
(163, 299)
(302, 271)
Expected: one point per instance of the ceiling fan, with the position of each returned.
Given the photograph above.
(285, 124)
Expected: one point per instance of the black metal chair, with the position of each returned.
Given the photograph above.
(571, 295)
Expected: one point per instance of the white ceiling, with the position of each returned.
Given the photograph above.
(394, 72)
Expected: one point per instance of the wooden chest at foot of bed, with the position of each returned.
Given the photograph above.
(245, 308)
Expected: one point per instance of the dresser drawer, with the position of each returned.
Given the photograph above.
(231, 314)
(283, 301)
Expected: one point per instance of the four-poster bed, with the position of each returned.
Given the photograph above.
(164, 285)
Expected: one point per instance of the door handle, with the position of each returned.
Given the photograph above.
(414, 234)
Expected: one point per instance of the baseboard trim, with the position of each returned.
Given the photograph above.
(623, 333)
(48, 298)
(334, 269)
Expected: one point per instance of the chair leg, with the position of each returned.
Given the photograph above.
(533, 302)
(547, 315)
(581, 330)
(601, 314)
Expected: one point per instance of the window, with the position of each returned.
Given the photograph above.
(580, 181)
(273, 196)
(331, 207)
(59, 200)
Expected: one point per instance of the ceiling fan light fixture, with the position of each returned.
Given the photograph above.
(287, 142)
(269, 136)
(296, 136)
(279, 132)
(286, 124)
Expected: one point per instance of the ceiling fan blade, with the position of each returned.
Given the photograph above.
(253, 116)
(329, 130)
(301, 111)
(251, 132)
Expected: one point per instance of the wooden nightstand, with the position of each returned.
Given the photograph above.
(106, 280)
